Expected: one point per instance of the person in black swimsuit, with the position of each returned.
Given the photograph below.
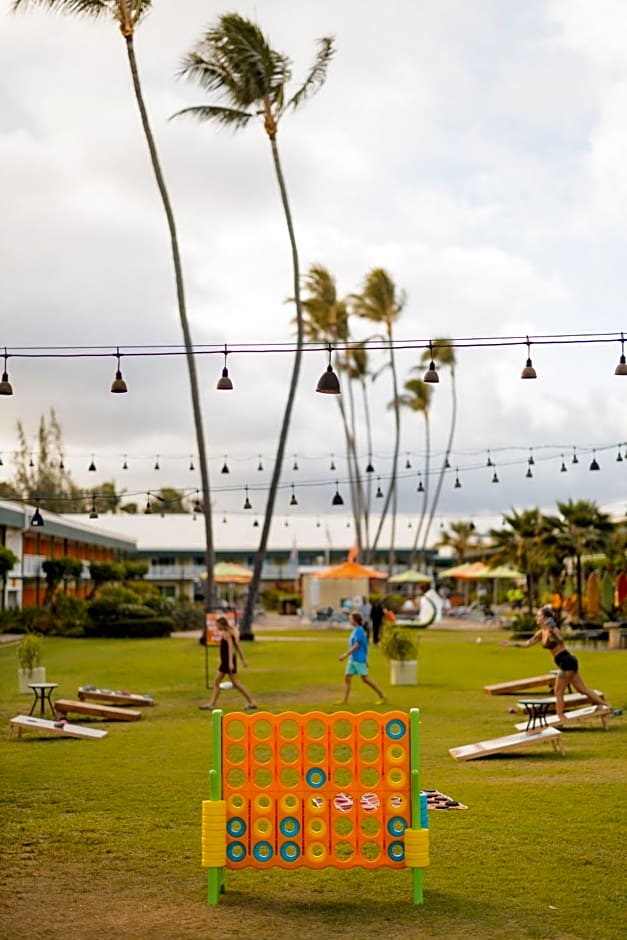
(229, 646)
(551, 639)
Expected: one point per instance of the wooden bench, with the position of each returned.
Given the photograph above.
(108, 712)
(519, 685)
(88, 693)
(62, 728)
(507, 743)
(577, 714)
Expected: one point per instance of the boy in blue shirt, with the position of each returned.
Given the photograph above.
(357, 655)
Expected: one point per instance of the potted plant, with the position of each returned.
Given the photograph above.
(400, 647)
(29, 658)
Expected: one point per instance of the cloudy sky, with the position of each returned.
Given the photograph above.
(476, 151)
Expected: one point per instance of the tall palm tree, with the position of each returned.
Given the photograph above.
(417, 398)
(235, 60)
(326, 320)
(380, 302)
(461, 538)
(581, 527)
(445, 353)
(127, 14)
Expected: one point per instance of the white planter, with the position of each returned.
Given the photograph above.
(404, 672)
(24, 676)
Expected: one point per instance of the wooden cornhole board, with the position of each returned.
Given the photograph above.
(507, 743)
(519, 685)
(576, 714)
(86, 694)
(45, 724)
(110, 712)
(571, 700)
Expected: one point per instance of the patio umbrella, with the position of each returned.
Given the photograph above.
(469, 570)
(505, 573)
(225, 572)
(410, 577)
(351, 570)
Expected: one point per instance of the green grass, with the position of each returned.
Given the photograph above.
(105, 835)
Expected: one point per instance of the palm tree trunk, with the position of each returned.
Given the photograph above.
(189, 349)
(368, 494)
(449, 445)
(425, 495)
(246, 629)
(579, 587)
(352, 467)
(393, 481)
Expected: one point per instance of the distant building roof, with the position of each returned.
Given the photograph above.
(77, 527)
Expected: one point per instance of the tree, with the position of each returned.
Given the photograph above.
(417, 398)
(101, 572)
(522, 543)
(7, 560)
(581, 527)
(40, 473)
(445, 353)
(127, 14)
(235, 60)
(461, 538)
(381, 303)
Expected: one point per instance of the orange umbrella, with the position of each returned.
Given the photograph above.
(469, 570)
(351, 570)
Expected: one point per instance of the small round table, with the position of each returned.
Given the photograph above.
(42, 692)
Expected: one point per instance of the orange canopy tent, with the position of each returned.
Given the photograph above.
(351, 570)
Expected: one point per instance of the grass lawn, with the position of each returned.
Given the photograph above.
(102, 838)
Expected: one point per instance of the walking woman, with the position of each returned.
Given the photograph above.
(551, 639)
(229, 645)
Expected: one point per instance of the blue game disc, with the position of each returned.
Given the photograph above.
(316, 777)
(289, 851)
(236, 826)
(289, 827)
(396, 851)
(395, 729)
(397, 826)
(236, 851)
(263, 851)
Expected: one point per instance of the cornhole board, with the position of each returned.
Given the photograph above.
(507, 743)
(90, 694)
(54, 727)
(519, 685)
(571, 700)
(107, 712)
(576, 714)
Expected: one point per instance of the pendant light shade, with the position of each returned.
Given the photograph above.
(37, 520)
(293, 500)
(247, 502)
(92, 466)
(379, 493)
(225, 466)
(224, 382)
(328, 383)
(118, 386)
(337, 499)
(93, 513)
(594, 464)
(431, 376)
(621, 368)
(528, 372)
(5, 386)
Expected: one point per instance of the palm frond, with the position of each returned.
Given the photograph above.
(317, 74)
(235, 58)
(86, 7)
(228, 117)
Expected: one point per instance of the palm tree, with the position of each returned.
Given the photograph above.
(235, 60)
(582, 527)
(461, 537)
(127, 14)
(380, 302)
(326, 320)
(417, 398)
(522, 544)
(445, 353)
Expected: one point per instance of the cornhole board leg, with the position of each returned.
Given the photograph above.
(577, 714)
(519, 685)
(66, 730)
(508, 742)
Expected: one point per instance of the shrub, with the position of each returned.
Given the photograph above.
(397, 643)
(188, 616)
(270, 598)
(29, 652)
(394, 602)
(136, 628)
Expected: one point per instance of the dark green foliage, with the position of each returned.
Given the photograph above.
(132, 627)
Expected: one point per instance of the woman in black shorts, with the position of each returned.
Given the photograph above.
(551, 639)
(229, 645)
